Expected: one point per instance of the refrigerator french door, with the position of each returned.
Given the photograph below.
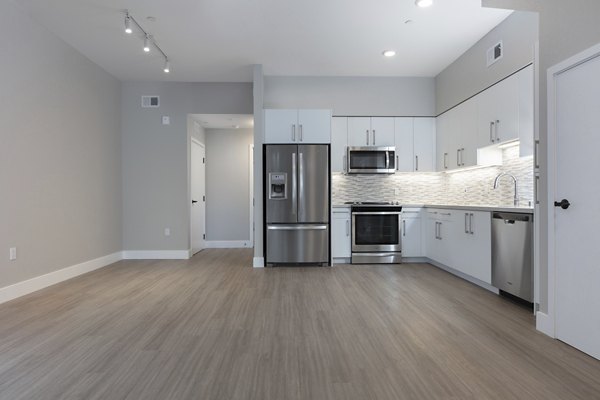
(297, 204)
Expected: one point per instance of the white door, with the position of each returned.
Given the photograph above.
(198, 221)
(576, 229)
(281, 126)
(382, 131)
(339, 142)
(314, 126)
(424, 144)
(404, 144)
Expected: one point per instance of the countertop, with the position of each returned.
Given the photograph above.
(526, 210)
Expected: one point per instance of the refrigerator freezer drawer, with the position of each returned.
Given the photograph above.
(294, 244)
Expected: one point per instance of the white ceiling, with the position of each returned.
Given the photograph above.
(225, 121)
(219, 40)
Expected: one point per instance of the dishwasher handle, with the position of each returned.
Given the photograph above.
(511, 218)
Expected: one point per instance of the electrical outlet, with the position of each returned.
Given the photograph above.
(12, 254)
(167, 231)
(166, 120)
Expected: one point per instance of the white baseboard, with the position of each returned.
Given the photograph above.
(40, 282)
(228, 244)
(544, 324)
(258, 262)
(156, 254)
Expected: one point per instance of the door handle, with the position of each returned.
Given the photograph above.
(301, 132)
(471, 224)
(397, 163)
(347, 228)
(564, 204)
(416, 163)
(445, 160)
(373, 137)
(492, 131)
(466, 223)
(497, 123)
(367, 137)
(458, 157)
(194, 201)
(440, 229)
(462, 156)
(403, 228)
(293, 132)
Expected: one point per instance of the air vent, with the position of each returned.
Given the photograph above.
(150, 101)
(495, 53)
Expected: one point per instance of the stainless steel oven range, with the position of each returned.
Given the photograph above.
(376, 233)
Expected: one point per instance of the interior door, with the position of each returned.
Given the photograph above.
(313, 183)
(576, 228)
(198, 184)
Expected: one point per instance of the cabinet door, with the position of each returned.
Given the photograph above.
(281, 126)
(382, 131)
(526, 127)
(424, 144)
(498, 112)
(477, 246)
(339, 142)
(404, 144)
(467, 134)
(443, 129)
(359, 131)
(411, 233)
(314, 126)
(340, 234)
(431, 242)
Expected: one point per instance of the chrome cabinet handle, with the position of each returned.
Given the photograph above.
(404, 228)
(497, 124)
(294, 185)
(397, 163)
(492, 131)
(344, 165)
(416, 163)
(466, 223)
(293, 133)
(373, 136)
(471, 224)
(445, 160)
(537, 188)
(458, 157)
(301, 132)
(536, 160)
(347, 228)
(440, 229)
(367, 137)
(462, 156)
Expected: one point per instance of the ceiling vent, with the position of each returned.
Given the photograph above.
(495, 53)
(150, 101)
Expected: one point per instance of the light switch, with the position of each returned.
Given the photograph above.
(167, 232)
(12, 256)
(166, 120)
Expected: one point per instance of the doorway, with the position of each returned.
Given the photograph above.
(574, 214)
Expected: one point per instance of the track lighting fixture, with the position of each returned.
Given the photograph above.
(149, 41)
(128, 29)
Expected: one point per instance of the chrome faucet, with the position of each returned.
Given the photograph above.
(516, 199)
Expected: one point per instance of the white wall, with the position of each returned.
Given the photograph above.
(469, 74)
(353, 96)
(60, 147)
(228, 184)
(156, 157)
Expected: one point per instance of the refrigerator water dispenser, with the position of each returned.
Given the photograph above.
(277, 184)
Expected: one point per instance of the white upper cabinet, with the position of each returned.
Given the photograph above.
(424, 145)
(526, 111)
(339, 142)
(382, 131)
(498, 113)
(371, 131)
(404, 142)
(297, 126)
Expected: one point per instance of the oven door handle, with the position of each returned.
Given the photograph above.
(376, 212)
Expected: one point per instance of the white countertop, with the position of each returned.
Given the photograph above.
(527, 210)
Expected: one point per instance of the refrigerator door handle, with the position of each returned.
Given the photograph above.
(294, 186)
(300, 185)
(297, 227)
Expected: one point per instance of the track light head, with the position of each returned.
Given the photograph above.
(147, 44)
(128, 29)
(167, 68)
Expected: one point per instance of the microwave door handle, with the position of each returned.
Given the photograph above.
(387, 160)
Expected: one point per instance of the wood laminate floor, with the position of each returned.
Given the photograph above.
(214, 328)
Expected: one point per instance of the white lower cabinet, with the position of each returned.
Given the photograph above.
(340, 233)
(461, 240)
(411, 233)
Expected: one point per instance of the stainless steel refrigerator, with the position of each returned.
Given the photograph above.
(297, 198)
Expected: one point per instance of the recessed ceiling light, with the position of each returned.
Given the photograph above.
(389, 53)
(424, 3)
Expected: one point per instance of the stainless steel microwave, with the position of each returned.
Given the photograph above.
(371, 160)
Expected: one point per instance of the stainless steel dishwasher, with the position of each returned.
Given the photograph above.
(512, 253)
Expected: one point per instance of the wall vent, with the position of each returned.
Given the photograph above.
(150, 101)
(495, 53)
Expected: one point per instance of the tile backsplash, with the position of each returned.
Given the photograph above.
(470, 187)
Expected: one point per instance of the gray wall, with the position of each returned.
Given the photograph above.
(60, 164)
(353, 96)
(228, 184)
(156, 157)
(469, 74)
